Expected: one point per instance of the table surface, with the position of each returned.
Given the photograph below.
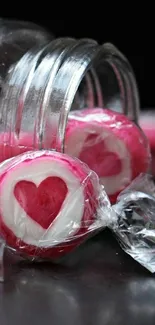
(97, 285)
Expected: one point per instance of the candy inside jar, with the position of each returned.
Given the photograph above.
(52, 78)
(50, 81)
(110, 144)
(147, 123)
(17, 39)
(55, 201)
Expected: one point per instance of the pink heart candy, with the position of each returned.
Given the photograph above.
(44, 202)
(112, 145)
(53, 203)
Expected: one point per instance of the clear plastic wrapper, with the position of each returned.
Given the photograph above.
(135, 227)
(50, 203)
(110, 144)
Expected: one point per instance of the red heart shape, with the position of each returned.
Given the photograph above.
(95, 154)
(44, 202)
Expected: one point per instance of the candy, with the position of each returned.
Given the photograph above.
(113, 146)
(53, 202)
(11, 146)
(147, 123)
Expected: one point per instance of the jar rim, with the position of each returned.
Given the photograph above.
(47, 78)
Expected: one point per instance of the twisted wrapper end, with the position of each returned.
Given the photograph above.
(135, 226)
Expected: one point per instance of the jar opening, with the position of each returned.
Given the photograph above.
(45, 84)
(107, 82)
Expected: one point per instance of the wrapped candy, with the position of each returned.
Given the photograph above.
(135, 228)
(53, 199)
(50, 203)
(11, 146)
(112, 145)
(147, 123)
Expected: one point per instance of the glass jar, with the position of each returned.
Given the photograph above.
(44, 79)
(16, 38)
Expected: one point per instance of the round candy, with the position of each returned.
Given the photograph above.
(12, 144)
(48, 203)
(113, 146)
(147, 123)
(12, 147)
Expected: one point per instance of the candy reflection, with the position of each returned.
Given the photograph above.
(142, 294)
(36, 293)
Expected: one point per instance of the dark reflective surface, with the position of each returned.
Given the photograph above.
(99, 285)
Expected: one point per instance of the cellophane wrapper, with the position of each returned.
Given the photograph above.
(110, 144)
(50, 203)
(135, 226)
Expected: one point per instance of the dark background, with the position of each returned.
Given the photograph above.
(100, 284)
(134, 41)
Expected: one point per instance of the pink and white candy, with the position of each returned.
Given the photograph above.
(12, 147)
(147, 123)
(113, 146)
(48, 203)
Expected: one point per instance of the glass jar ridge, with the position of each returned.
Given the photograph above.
(52, 78)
